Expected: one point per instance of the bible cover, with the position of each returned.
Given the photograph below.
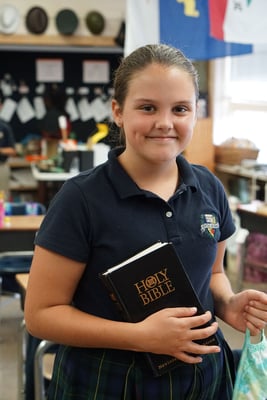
(148, 282)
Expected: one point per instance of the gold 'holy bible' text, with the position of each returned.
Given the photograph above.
(154, 287)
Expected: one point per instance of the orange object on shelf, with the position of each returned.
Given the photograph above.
(35, 157)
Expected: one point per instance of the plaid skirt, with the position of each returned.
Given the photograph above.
(104, 374)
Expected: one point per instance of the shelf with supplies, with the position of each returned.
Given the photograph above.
(22, 184)
(259, 173)
(57, 42)
(248, 184)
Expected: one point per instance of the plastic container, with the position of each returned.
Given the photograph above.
(2, 209)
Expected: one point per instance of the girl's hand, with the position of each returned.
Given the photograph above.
(173, 331)
(248, 309)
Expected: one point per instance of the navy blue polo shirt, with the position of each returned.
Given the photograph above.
(101, 217)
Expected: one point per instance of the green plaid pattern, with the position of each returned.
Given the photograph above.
(96, 374)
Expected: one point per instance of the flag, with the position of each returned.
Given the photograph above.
(181, 23)
(217, 11)
(239, 21)
(142, 24)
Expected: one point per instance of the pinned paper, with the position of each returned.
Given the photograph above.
(40, 89)
(25, 111)
(49, 70)
(8, 108)
(6, 88)
(96, 71)
(99, 109)
(85, 109)
(39, 105)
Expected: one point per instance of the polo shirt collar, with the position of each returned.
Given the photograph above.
(126, 187)
(186, 173)
(121, 181)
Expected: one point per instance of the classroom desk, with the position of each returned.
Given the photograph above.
(253, 216)
(20, 234)
(22, 280)
(44, 179)
(52, 181)
(50, 176)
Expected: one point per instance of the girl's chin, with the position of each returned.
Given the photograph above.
(164, 156)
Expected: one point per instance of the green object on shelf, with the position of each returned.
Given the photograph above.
(95, 22)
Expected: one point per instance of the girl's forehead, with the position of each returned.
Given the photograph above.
(164, 71)
(155, 74)
(157, 67)
(161, 83)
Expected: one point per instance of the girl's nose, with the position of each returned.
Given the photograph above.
(164, 121)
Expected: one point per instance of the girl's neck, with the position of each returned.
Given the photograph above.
(159, 178)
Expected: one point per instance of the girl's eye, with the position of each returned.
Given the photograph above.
(147, 108)
(180, 109)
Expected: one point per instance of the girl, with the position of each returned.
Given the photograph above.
(145, 192)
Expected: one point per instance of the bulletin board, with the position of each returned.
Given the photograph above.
(90, 71)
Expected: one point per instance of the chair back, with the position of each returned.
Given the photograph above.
(24, 208)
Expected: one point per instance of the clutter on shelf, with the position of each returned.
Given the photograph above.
(233, 151)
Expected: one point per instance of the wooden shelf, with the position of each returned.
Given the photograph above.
(59, 44)
(57, 40)
(18, 162)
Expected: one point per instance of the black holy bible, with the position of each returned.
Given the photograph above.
(148, 282)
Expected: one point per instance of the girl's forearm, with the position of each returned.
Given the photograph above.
(64, 324)
(222, 293)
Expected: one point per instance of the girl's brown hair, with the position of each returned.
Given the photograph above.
(142, 57)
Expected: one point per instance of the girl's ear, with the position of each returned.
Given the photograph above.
(116, 113)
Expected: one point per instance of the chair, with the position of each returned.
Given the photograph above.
(35, 357)
(43, 365)
(12, 263)
(17, 262)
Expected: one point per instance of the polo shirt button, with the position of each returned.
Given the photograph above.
(168, 214)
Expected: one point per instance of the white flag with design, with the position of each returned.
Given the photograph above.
(246, 21)
(142, 24)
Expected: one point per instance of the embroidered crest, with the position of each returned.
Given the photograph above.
(209, 225)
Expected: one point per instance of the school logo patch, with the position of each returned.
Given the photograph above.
(209, 226)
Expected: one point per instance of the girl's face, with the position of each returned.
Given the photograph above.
(158, 114)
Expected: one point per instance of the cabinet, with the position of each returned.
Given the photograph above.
(201, 149)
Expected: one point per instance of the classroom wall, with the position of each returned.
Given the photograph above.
(113, 11)
(19, 66)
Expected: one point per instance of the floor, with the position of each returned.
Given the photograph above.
(11, 317)
(10, 323)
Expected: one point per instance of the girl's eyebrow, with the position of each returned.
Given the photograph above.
(178, 102)
(144, 100)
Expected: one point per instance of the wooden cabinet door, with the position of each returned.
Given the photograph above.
(201, 150)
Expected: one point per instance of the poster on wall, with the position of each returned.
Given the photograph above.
(96, 71)
(49, 70)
